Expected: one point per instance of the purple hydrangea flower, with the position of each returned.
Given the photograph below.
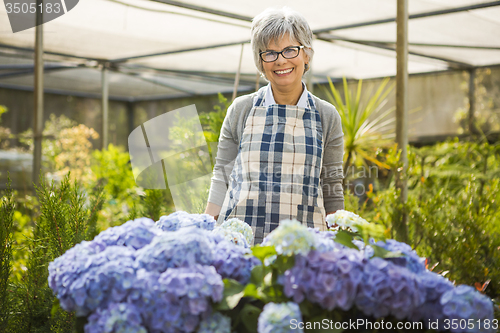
(181, 219)
(410, 258)
(234, 262)
(279, 318)
(117, 317)
(329, 279)
(135, 234)
(324, 240)
(388, 289)
(464, 302)
(171, 222)
(66, 268)
(366, 249)
(98, 280)
(180, 248)
(177, 299)
(433, 286)
(215, 323)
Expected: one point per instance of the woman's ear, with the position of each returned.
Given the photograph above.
(306, 62)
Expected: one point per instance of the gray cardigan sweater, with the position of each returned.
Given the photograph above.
(229, 140)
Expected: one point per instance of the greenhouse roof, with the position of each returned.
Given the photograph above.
(166, 49)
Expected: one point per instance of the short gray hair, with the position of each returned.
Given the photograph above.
(272, 24)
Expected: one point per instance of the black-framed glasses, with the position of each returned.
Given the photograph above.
(289, 52)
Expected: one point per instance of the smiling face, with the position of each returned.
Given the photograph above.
(285, 74)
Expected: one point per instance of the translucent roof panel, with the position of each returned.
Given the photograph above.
(117, 30)
(74, 81)
(163, 48)
(360, 61)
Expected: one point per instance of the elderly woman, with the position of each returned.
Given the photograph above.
(280, 149)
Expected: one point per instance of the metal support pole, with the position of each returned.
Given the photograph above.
(38, 92)
(401, 221)
(237, 79)
(104, 85)
(472, 101)
(130, 116)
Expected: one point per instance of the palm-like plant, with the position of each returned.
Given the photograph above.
(365, 123)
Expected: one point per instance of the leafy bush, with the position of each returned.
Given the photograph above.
(7, 207)
(67, 216)
(453, 204)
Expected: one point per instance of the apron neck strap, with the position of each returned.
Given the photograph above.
(310, 101)
(259, 99)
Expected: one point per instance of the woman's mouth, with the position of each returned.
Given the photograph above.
(284, 71)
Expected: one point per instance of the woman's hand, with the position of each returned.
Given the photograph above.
(213, 209)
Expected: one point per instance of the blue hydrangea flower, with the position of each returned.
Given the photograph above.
(234, 262)
(181, 219)
(240, 226)
(464, 302)
(66, 268)
(410, 258)
(202, 221)
(171, 222)
(215, 323)
(366, 249)
(290, 237)
(433, 286)
(232, 236)
(181, 248)
(177, 299)
(388, 289)
(324, 240)
(329, 279)
(100, 279)
(278, 318)
(136, 234)
(116, 318)
(143, 293)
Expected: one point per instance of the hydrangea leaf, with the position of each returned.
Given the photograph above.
(268, 279)
(380, 252)
(258, 273)
(345, 238)
(233, 292)
(249, 315)
(283, 263)
(371, 230)
(305, 307)
(262, 252)
(251, 290)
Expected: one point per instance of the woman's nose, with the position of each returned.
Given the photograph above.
(280, 60)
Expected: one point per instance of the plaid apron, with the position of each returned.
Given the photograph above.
(276, 174)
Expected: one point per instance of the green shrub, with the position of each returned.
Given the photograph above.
(452, 207)
(67, 216)
(7, 207)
